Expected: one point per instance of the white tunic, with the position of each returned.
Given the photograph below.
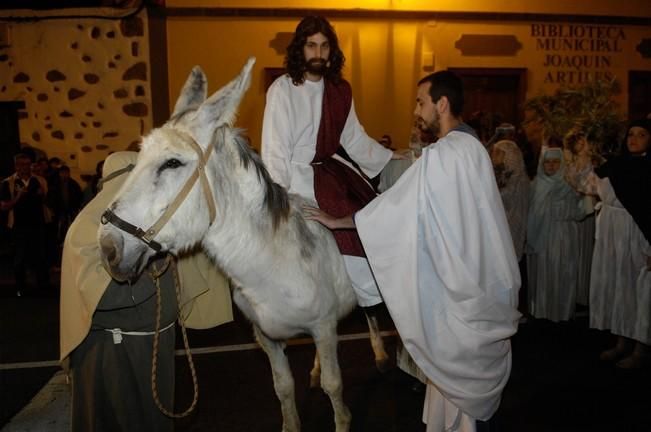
(620, 285)
(586, 247)
(553, 242)
(289, 130)
(291, 122)
(586, 240)
(441, 251)
(553, 271)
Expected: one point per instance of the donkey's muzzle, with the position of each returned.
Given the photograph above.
(111, 252)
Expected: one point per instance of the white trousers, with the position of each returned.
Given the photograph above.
(363, 281)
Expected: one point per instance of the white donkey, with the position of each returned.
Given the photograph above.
(288, 275)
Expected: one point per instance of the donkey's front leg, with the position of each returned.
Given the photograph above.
(283, 380)
(326, 346)
(315, 373)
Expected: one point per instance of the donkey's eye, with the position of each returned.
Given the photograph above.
(171, 164)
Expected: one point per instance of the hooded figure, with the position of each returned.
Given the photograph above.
(106, 327)
(513, 183)
(620, 282)
(553, 240)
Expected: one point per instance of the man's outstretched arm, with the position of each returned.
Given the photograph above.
(313, 213)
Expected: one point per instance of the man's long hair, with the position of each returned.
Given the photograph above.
(295, 60)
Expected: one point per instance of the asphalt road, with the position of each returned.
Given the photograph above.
(557, 382)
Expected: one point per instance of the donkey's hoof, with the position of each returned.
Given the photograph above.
(343, 420)
(291, 424)
(315, 381)
(383, 365)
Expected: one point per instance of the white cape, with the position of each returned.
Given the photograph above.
(441, 251)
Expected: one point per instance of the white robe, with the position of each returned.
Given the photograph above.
(440, 248)
(291, 122)
(389, 175)
(553, 271)
(515, 193)
(586, 248)
(620, 284)
(586, 241)
(553, 242)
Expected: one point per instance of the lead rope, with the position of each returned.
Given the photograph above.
(156, 274)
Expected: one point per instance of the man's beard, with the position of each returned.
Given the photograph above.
(316, 66)
(429, 131)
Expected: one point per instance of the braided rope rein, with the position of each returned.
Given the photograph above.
(155, 275)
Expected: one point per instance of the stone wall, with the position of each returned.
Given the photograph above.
(85, 83)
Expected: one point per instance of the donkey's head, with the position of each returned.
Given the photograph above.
(167, 204)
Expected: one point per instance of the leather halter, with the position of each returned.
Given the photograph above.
(147, 236)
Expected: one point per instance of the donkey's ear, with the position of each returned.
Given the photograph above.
(221, 108)
(193, 93)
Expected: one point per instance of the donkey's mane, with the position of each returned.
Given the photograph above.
(276, 198)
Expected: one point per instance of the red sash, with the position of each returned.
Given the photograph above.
(339, 190)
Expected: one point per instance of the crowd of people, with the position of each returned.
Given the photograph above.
(39, 201)
(586, 240)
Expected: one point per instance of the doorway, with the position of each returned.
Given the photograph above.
(492, 96)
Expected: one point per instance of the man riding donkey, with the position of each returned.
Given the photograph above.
(314, 145)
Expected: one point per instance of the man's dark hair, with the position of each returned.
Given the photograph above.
(295, 59)
(22, 155)
(448, 84)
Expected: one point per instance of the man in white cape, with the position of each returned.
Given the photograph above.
(440, 248)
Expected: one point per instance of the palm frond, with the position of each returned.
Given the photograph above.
(589, 108)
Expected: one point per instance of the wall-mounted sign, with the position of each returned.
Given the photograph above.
(577, 53)
(488, 45)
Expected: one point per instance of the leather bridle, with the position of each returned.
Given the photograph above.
(147, 236)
